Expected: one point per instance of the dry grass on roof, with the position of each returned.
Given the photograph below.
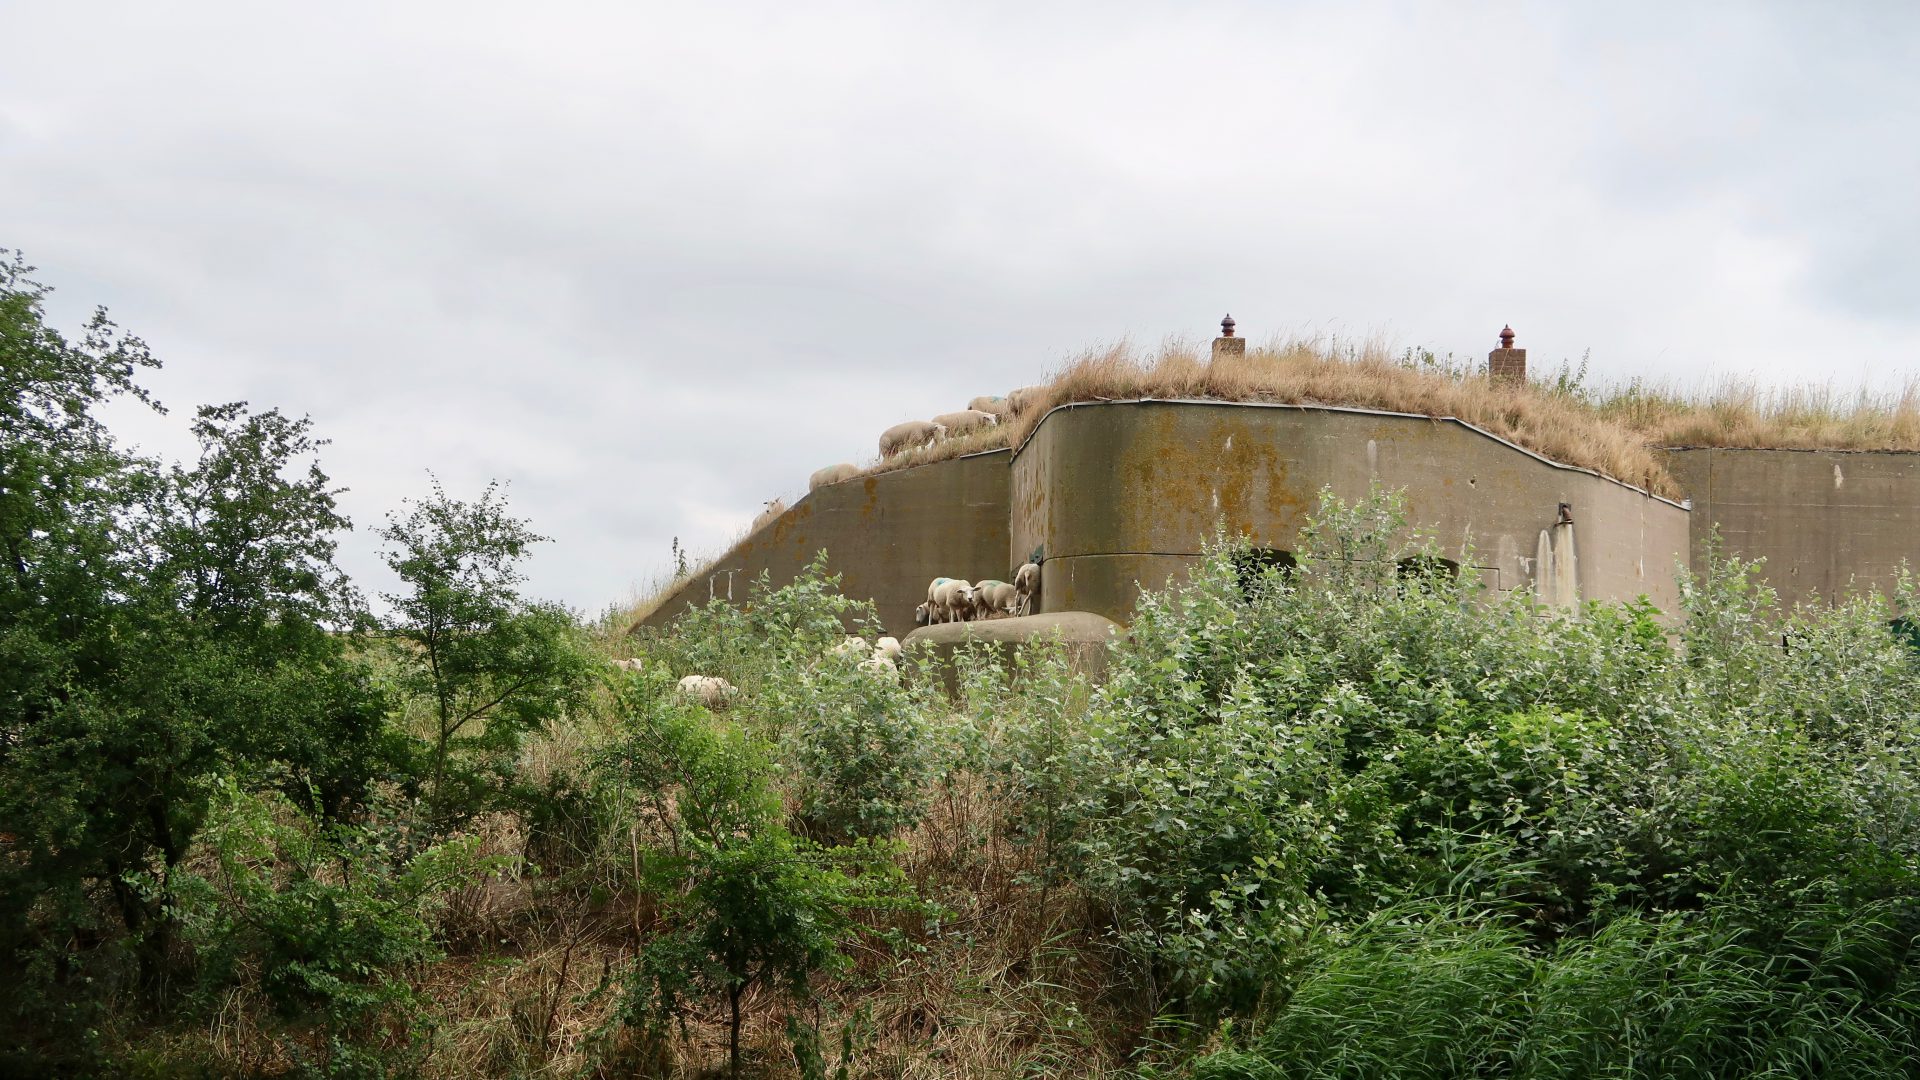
(1311, 372)
(1735, 413)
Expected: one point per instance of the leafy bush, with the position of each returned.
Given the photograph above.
(862, 749)
(1440, 990)
(327, 920)
(746, 902)
(1287, 759)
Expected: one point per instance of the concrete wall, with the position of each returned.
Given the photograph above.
(1114, 493)
(1821, 518)
(888, 535)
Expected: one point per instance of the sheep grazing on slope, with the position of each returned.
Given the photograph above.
(709, 690)
(965, 421)
(908, 436)
(1026, 582)
(880, 664)
(775, 507)
(923, 614)
(1019, 401)
(832, 474)
(627, 665)
(952, 600)
(988, 404)
(992, 598)
(849, 645)
(888, 647)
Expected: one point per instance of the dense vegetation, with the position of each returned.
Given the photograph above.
(1348, 818)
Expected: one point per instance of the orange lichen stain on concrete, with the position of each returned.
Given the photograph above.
(1032, 524)
(872, 503)
(787, 524)
(1287, 508)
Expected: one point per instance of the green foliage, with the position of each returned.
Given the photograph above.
(488, 664)
(860, 743)
(149, 618)
(1036, 747)
(768, 635)
(747, 902)
(857, 740)
(1440, 990)
(330, 920)
(1285, 760)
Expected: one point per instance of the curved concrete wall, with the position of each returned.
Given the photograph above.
(1114, 493)
(886, 534)
(1822, 519)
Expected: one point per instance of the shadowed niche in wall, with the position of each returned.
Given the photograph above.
(1418, 569)
(1251, 567)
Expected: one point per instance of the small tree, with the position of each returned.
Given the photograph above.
(749, 903)
(489, 664)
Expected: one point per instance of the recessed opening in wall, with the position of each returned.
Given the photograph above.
(1425, 569)
(1251, 566)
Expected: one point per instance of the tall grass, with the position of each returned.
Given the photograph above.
(1736, 413)
(1437, 990)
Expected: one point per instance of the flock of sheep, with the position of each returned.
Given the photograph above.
(981, 412)
(954, 600)
(948, 599)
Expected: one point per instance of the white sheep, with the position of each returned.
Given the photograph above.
(832, 474)
(628, 665)
(880, 664)
(709, 690)
(1026, 582)
(992, 598)
(888, 647)
(849, 645)
(953, 601)
(1019, 401)
(965, 421)
(923, 614)
(989, 404)
(908, 435)
(775, 507)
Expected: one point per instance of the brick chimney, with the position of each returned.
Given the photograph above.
(1226, 344)
(1507, 364)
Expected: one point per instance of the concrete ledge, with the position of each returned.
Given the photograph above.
(1085, 634)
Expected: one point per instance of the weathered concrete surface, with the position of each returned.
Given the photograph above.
(887, 535)
(1116, 492)
(1823, 519)
(1085, 635)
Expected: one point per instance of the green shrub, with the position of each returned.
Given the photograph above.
(1438, 990)
(1292, 756)
(862, 750)
(746, 903)
(328, 920)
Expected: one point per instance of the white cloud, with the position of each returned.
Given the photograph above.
(655, 263)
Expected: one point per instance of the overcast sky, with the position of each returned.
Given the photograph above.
(653, 264)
